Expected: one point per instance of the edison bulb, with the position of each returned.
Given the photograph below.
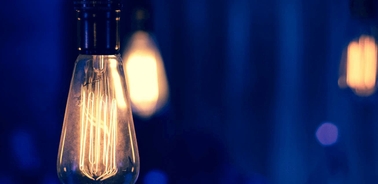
(145, 74)
(98, 142)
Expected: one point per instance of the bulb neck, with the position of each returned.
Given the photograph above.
(98, 27)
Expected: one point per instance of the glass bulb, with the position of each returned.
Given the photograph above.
(359, 62)
(98, 142)
(361, 65)
(358, 68)
(145, 74)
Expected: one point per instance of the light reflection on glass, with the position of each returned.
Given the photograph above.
(121, 102)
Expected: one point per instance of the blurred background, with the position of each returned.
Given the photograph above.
(255, 92)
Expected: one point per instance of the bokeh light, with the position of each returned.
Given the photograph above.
(360, 66)
(5, 180)
(327, 134)
(156, 177)
(24, 150)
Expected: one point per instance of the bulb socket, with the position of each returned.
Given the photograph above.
(98, 27)
(97, 4)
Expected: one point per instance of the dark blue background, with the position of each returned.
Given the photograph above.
(251, 81)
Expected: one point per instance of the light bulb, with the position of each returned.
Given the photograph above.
(98, 142)
(145, 74)
(359, 62)
(361, 66)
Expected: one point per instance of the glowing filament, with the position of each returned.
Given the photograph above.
(98, 135)
(361, 68)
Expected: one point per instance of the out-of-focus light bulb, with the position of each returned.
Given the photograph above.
(359, 63)
(98, 142)
(145, 74)
(361, 66)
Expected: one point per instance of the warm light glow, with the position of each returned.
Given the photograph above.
(98, 130)
(361, 66)
(145, 74)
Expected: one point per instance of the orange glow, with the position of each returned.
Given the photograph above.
(361, 66)
(145, 74)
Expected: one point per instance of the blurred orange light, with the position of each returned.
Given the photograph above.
(145, 74)
(361, 66)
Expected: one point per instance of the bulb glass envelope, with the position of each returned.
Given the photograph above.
(98, 142)
(145, 74)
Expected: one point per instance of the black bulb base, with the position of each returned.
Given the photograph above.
(98, 27)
